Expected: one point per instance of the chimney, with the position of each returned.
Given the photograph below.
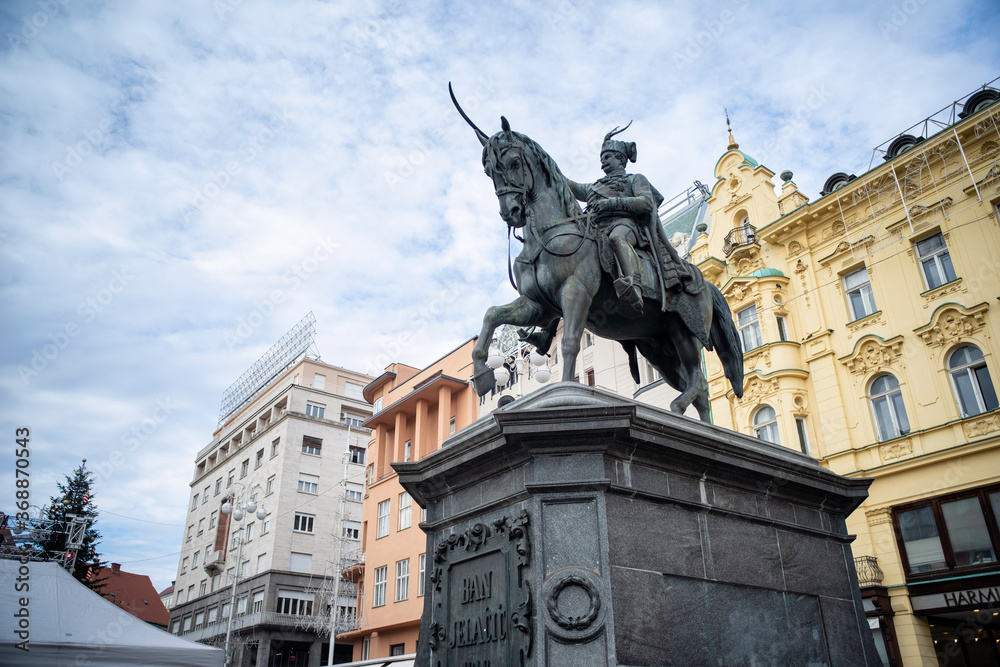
(116, 568)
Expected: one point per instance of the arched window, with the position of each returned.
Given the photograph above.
(971, 380)
(765, 424)
(888, 408)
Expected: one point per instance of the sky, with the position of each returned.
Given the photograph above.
(181, 182)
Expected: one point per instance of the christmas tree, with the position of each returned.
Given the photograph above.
(77, 499)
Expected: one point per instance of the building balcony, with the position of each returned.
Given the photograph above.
(215, 562)
(245, 621)
(744, 235)
(869, 573)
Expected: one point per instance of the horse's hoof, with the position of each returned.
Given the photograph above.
(484, 381)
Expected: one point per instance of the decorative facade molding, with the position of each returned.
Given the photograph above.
(879, 515)
(758, 355)
(982, 426)
(794, 248)
(954, 287)
(899, 449)
(865, 322)
(757, 388)
(872, 354)
(952, 322)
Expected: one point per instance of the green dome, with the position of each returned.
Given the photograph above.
(765, 273)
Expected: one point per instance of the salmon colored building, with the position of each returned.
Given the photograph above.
(415, 411)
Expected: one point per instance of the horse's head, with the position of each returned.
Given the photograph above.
(507, 162)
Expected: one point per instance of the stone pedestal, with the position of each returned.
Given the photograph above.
(575, 528)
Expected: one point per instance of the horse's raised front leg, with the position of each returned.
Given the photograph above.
(696, 391)
(576, 300)
(521, 312)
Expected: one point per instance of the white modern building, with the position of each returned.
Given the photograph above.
(291, 450)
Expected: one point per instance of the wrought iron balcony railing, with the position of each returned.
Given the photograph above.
(741, 236)
(869, 573)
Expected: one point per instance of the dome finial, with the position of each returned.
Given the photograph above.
(732, 141)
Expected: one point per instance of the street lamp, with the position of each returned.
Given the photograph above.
(508, 349)
(246, 507)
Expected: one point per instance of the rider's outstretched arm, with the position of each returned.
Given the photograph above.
(580, 190)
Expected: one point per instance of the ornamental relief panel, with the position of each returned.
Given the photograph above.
(865, 322)
(875, 355)
(794, 248)
(757, 388)
(954, 287)
(879, 515)
(896, 450)
(978, 428)
(762, 355)
(951, 324)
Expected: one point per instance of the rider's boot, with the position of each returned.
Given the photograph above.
(627, 286)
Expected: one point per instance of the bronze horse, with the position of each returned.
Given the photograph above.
(558, 274)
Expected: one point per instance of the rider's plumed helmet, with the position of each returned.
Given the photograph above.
(626, 149)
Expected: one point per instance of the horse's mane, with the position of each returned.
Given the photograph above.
(553, 175)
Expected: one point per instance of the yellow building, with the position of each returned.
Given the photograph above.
(868, 318)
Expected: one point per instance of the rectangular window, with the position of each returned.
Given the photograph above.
(379, 588)
(175, 626)
(858, 288)
(588, 339)
(258, 602)
(800, 429)
(241, 605)
(397, 649)
(204, 496)
(212, 519)
(407, 451)
(235, 542)
(746, 322)
(355, 492)
(213, 614)
(274, 447)
(365, 647)
(266, 526)
(244, 468)
(352, 530)
(231, 478)
(303, 523)
(259, 459)
(180, 596)
(201, 525)
(261, 563)
(782, 327)
(218, 486)
(354, 390)
(316, 410)
(421, 571)
(194, 558)
(405, 506)
(423, 514)
(377, 406)
(299, 562)
(187, 623)
(319, 382)
(357, 455)
(383, 519)
(184, 565)
(249, 531)
(226, 608)
(216, 580)
(451, 426)
(199, 619)
(269, 489)
(352, 419)
(190, 532)
(308, 483)
(935, 261)
(311, 445)
(402, 580)
(202, 587)
(591, 378)
(194, 502)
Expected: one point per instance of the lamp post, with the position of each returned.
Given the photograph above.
(508, 349)
(247, 506)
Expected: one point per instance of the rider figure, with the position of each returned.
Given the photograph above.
(622, 206)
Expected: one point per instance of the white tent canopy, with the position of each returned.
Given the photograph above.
(68, 624)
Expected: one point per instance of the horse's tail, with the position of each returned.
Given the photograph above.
(725, 340)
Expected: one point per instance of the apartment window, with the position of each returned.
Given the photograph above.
(194, 559)
(588, 339)
(935, 261)
(591, 378)
(235, 542)
(201, 525)
(249, 531)
(383, 519)
(218, 486)
(319, 381)
(269, 489)
(800, 430)
(858, 288)
(261, 563)
(258, 602)
(765, 424)
(950, 532)
(187, 623)
(231, 478)
(190, 592)
(259, 460)
(402, 580)
(971, 381)
(216, 580)
(180, 596)
(184, 566)
(316, 410)
(266, 525)
(241, 605)
(274, 447)
(357, 455)
(311, 445)
(213, 614)
(451, 426)
(230, 579)
(175, 626)
(379, 589)
(405, 506)
(377, 406)
(190, 532)
(354, 390)
(421, 571)
(194, 501)
(300, 562)
(370, 474)
(202, 587)
(226, 608)
(355, 492)
(303, 523)
(779, 321)
(888, 408)
(352, 530)
(397, 649)
(746, 322)
(352, 419)
(308, 483)
(199, 619)
(212, 519)
(423, 514)
(407, 451)
(365, 648)
(244, 468)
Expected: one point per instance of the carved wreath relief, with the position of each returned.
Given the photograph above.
(482, 608)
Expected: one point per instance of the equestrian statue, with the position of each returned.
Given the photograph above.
(610, 270)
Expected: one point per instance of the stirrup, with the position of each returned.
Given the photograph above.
(629, 296)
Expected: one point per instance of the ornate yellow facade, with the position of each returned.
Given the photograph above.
(870, 321)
